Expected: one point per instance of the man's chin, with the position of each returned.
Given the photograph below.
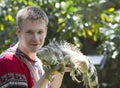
(34, 50)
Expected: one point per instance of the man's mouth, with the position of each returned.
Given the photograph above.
(34, 44)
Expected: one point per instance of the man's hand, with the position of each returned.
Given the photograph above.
(58, 77)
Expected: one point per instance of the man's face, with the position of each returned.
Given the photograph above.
(32, 35)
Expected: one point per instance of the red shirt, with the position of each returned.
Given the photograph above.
(14, 73)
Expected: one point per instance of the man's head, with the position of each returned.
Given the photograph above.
(31, 29)
(32, 14)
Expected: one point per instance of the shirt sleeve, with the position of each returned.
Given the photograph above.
(10, 74)
(13, 80)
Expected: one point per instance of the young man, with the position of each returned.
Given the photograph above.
(19, 65)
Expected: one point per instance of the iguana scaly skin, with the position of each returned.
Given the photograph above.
(55, 56)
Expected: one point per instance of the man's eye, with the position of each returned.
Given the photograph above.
(29, 32)
(39, 32)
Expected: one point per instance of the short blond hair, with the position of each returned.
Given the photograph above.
(31, 13)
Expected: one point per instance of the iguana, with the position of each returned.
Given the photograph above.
(55, 56)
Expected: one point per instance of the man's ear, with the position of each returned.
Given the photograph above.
(46, 31)
(18, 31)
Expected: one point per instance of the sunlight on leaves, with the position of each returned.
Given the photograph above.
(1, 27)
(111, 9)
(89, 32)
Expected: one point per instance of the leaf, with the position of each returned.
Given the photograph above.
(1, 27)
(95, 38)
(89, 32)
(60, 20)
(103, 16)
(11, 18)
(111, 9)
(84, 33)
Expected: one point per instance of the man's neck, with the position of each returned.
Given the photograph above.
(32, 55)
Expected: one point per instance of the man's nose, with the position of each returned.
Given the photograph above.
(35, 37)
